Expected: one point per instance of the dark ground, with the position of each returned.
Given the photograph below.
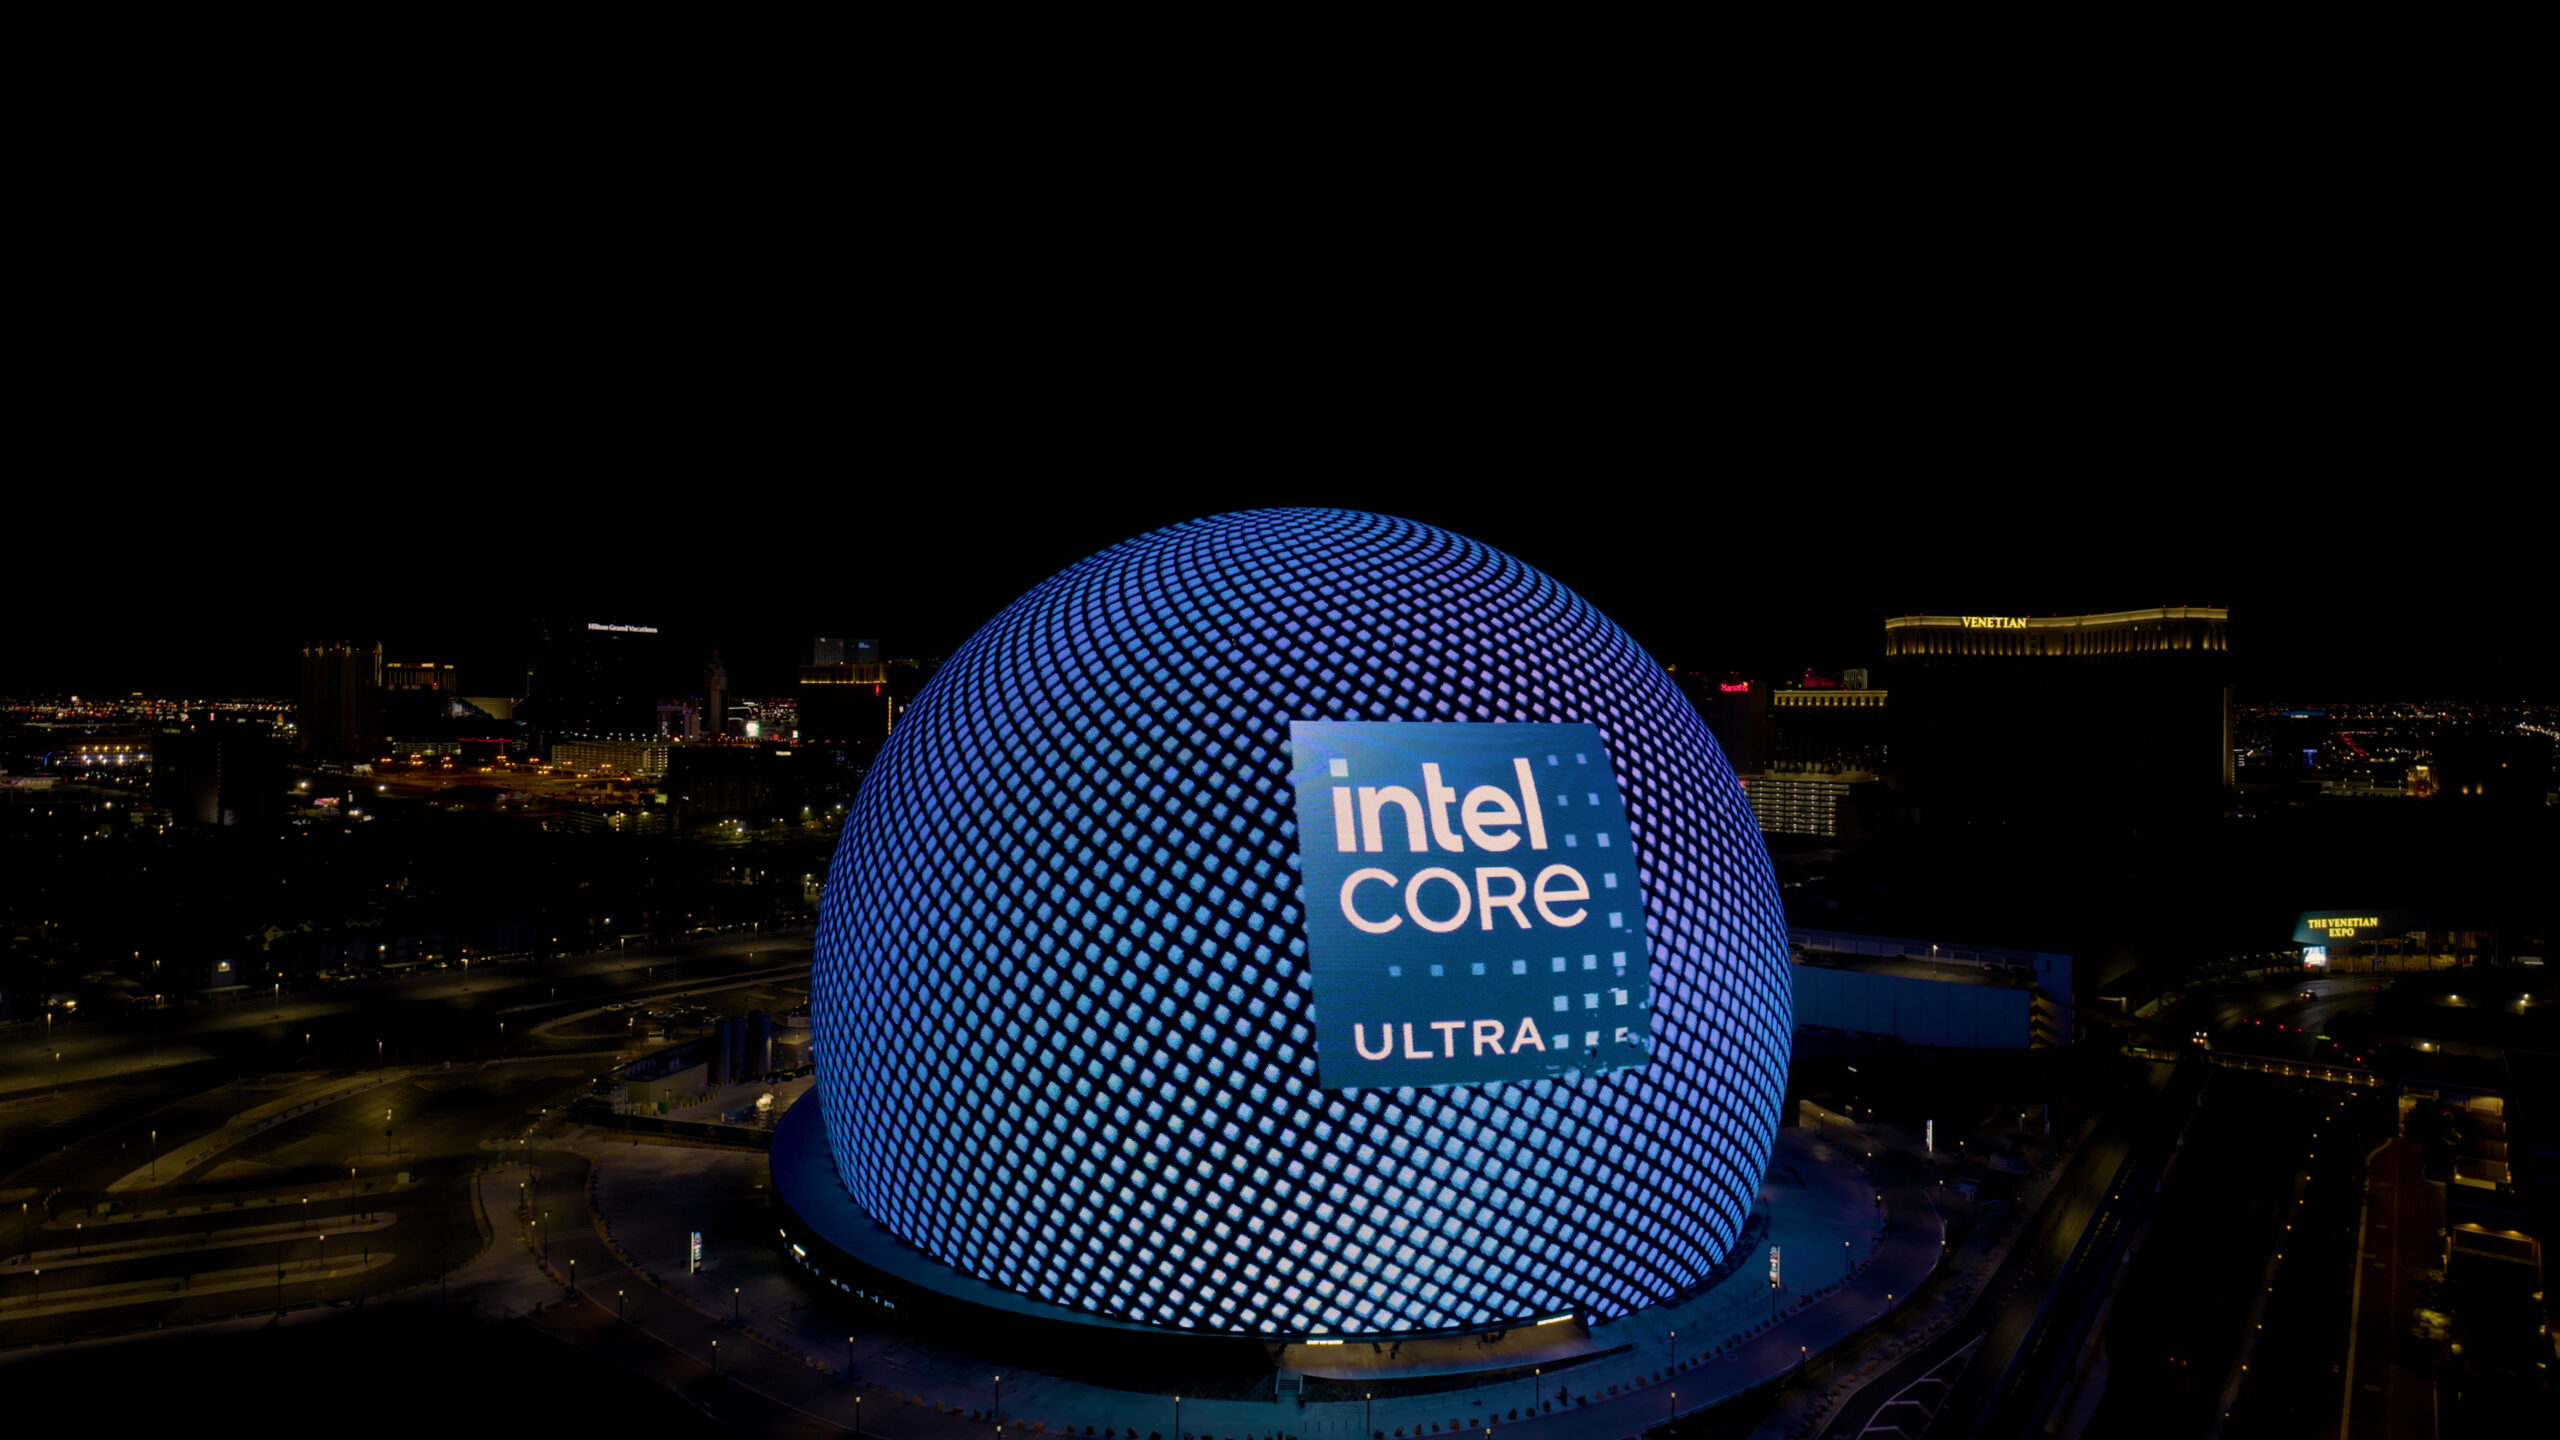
(412, 1370)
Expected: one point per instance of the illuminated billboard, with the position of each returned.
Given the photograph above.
(1473, 914)
(2334, 927)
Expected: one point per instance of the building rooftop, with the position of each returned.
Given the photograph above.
(1948, 972)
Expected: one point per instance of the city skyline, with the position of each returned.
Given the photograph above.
(1762, 592)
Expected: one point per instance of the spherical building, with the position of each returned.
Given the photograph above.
(1063, 1022)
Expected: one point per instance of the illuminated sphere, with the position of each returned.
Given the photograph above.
(1060, 994)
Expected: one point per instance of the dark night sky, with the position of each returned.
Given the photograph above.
(1748, 469)
(415, 384)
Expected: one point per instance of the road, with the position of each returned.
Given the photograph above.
(450, 1096)
(339, 1025)
(2390, 1387)
(2006, 1308)
(2176, 1331)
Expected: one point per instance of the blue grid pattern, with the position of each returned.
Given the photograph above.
(1061, 993)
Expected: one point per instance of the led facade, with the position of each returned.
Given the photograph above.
(1064, 1034)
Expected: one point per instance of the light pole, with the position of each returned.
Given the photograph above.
(155, 1157)
(617, 1304)
(715, 1357)
(573, 1277)
(1365, 1397)
(1177, 1417)
(999, 1412)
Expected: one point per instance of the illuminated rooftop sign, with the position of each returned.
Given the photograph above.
(2056, 622)
(625, 629)
(1472, 906)
(2315, 927)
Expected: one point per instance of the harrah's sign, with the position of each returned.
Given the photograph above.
(1472, 908)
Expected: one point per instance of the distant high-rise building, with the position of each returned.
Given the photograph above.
(1828, 731)
(419, 675)
(715, 689)
(845, 702)
(1742, 724)
(338, 709)
(2004, 718)
(833, 650)
(596, 678)
(1829, 805)
(209, 771)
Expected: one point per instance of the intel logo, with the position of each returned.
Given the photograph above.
(1473, 914)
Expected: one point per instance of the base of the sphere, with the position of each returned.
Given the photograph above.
(832, 1241)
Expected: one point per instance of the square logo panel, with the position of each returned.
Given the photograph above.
(1472, 909)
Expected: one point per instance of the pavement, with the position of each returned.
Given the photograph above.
(173, 1165)
(94, 1050)
(647, 1200)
